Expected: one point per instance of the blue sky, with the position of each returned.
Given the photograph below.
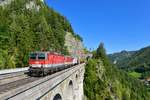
(119, 24)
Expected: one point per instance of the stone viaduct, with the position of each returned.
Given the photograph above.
(69, 89)
(63, 85)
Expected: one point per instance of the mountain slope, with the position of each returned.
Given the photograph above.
(117, 58)
(132, 58)
(140, 58)
(30, 25)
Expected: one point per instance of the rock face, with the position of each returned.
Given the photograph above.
(75, 46)
(32, 5)
(42, 0)
(5, 2)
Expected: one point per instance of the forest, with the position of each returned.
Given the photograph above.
(25, 29)
(104, 81)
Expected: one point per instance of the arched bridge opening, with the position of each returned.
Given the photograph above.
(57, 97)
(69, 91)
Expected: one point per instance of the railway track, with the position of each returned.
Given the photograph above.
(14, 80)
(19, 79)
(10, 75)
(14, 88)
(4, 79)
(15, 84)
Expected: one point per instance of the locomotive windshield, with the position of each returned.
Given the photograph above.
(37, 56)
(33, 56)
(41, 56)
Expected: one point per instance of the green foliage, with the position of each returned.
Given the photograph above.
(86, 51)
(134, 61)
(90, 79)
(103, 81)
(101, 54)
(135, 74)
(24, 30)
(77, 36)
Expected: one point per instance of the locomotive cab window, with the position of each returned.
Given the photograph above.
(41, 56)
(33, 56)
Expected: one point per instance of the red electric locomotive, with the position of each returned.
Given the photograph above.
(43, 63)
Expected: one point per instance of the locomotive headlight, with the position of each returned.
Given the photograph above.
(37, 62)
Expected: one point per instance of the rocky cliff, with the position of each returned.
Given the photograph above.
(5, 2)
(75, 46)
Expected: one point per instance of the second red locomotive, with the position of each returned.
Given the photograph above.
(43, 63)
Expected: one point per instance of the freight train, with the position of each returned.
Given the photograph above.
(44, 63)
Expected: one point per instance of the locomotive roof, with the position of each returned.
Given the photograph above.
(47, 52)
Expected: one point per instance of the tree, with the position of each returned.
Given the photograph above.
(101, 54)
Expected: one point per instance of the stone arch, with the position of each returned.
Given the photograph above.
(57, 97)
(70, 91)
